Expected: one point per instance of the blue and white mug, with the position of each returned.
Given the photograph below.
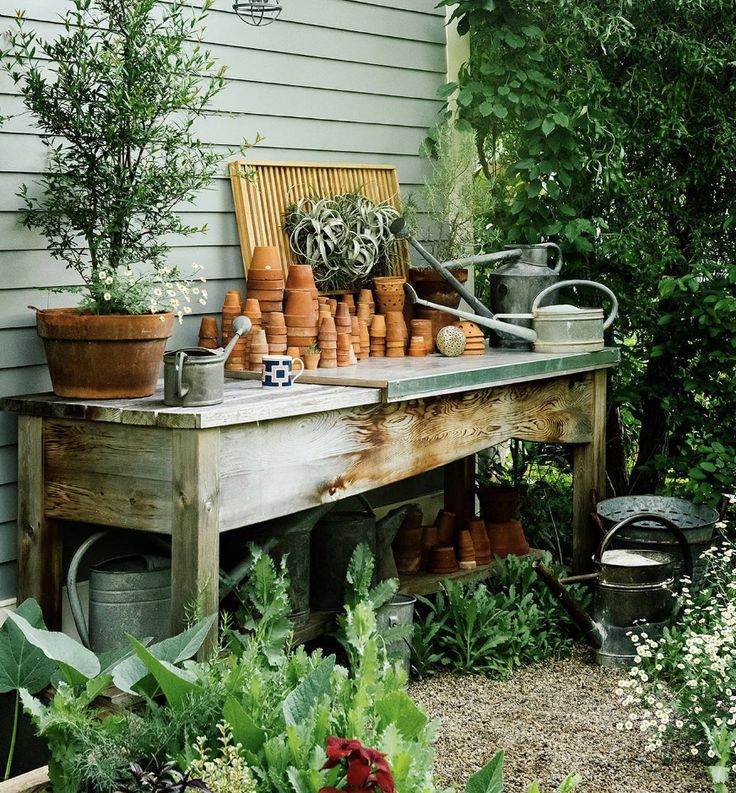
(278, 371)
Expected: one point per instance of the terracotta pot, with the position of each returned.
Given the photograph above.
(267, 296)
(233, 299)
(465, 551)
(103, 357)
(442, 559)
(300, 302)
(311, 360)
(498, 503)
(349, 301)
(266, 279)
(431, 286)
(208, 328)
(390, 293)
(266, 257)
(378, 326)
(430, 538)
(423, 328)
(300, 277)
(477, 529)
(507, 538)
(408, 542)
(445, 523)
(252, 309)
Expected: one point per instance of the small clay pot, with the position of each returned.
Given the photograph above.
(378, 326)
(300, 302)
(442, 560)
(445, 523)
(349, 301)
(498, 503)
(507, 538)
(423, 328)
(465, 551)
(208, 328)
(292, 351)
(311, 360)
(233, 299)
(252, 309)
(300, 277)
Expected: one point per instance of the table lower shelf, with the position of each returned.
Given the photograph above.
(320, 623)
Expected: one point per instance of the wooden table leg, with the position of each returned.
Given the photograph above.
(195, 534)
(460, 489)
(589, 475)
(39, 540)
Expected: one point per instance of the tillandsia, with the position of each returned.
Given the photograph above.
(347, 238)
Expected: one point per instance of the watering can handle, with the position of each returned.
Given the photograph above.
(578, 282)
(181, 389)
(676, 531)
(556, 249)
(71, 585)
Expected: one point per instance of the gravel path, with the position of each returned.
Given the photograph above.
(551, 719)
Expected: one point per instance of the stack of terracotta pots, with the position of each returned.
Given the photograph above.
(345, 352)
(266, 278)
(465, 551)
(252, 310)
(417, 347)
(378, 336)
(477, 530)
(438, 319)
(230, 310)
(445, 523)
(365, 340)
(208, 333)
(389, 293)
(258, 348)
(500, 508)
(301, 307)
(439, 544)
(423, 328)
(475, 343)
(276, 333)
(328, 342)
(396, 334)
(355, 334)
(408, 543)
(366, 306)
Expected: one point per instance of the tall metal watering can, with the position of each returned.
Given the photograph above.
(516, 283)
(195, 376)
(127, 595)
(633, 593)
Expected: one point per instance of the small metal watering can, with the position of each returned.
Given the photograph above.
(562, 328)
(516, 283)
(195, 376)
(634, 593)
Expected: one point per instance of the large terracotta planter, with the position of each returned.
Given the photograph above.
(431, 286)
(103, 357)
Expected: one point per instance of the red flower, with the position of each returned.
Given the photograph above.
(367, 770)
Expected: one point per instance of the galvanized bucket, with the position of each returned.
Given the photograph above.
(127, 595)
(697, 523)
(398, 611)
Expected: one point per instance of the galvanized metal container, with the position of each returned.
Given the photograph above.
(398, 611)
(515, 284)
(696, 521)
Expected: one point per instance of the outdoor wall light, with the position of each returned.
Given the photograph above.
(258, 12)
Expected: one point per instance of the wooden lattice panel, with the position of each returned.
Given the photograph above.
(260, 204)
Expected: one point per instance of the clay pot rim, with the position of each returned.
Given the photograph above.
(427, 274)
(73, 324)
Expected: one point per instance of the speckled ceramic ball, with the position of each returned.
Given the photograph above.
(451, 341)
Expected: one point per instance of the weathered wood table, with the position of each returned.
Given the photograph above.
(194, 473)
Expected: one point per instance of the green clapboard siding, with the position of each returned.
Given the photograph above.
(331, 81)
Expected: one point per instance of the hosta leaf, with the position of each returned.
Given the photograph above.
(23, 665)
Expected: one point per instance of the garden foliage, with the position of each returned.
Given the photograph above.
(683, 685)
(608, 127)
(493, 627)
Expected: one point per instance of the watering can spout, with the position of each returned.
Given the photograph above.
(580, 616)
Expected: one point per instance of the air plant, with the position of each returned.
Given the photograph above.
(346, 238)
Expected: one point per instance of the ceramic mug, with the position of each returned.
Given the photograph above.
(278, 371)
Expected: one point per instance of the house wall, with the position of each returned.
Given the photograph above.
(331, 81)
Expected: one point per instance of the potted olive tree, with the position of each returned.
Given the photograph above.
(116, 97)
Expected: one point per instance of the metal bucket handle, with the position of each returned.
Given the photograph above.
(675, 530)
(71, 581)
(181, 389)
(578, 282)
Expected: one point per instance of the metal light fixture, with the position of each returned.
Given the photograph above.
(258, 12)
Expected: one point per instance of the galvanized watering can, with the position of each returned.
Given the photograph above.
(554, 328)
(633, 593)
(195, 376)
(515, 285)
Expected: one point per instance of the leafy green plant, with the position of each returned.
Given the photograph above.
(683, 685)
(604, 127)
(118, 115)
(490, 779)
(492, 628)
(22, 666)
(224, 771)
(163, 778)
(346, 238)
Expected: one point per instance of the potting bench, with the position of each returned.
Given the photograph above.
(193, 473)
